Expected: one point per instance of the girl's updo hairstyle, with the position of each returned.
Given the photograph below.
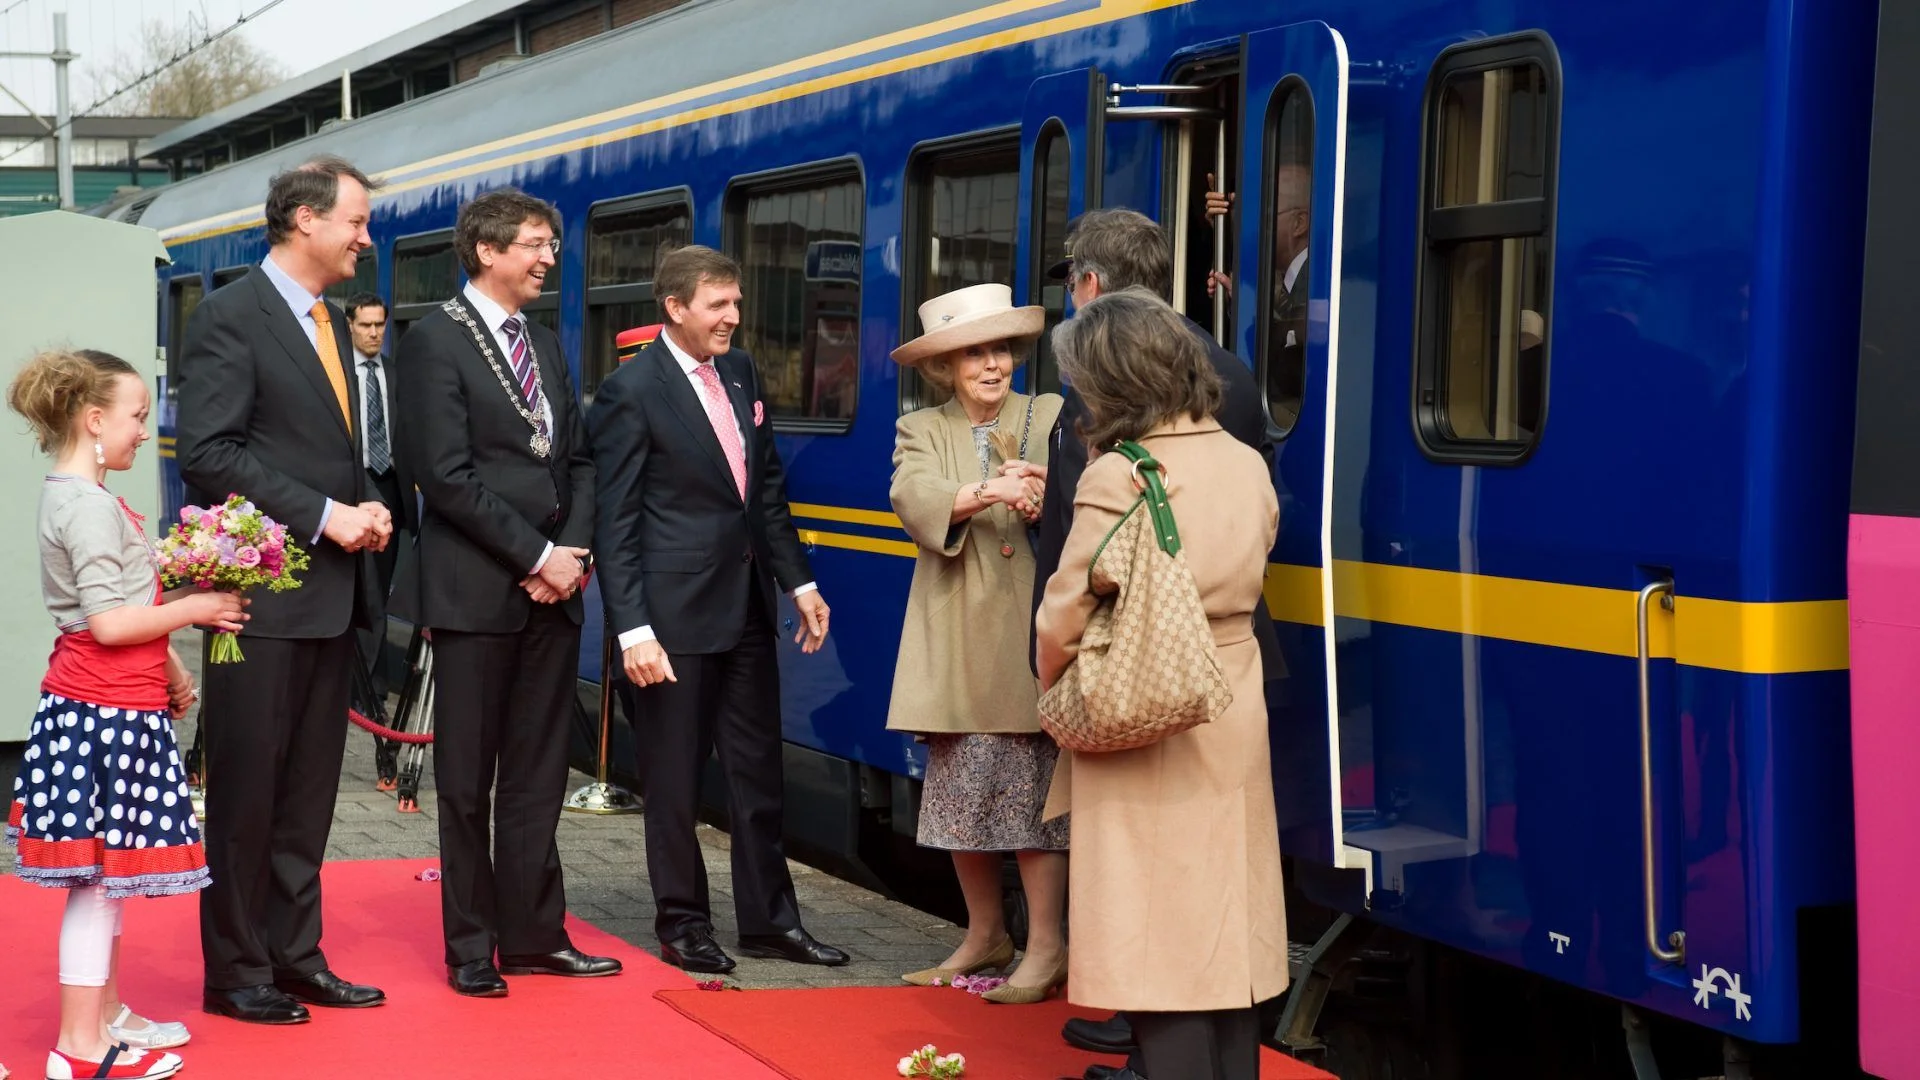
(55, 385)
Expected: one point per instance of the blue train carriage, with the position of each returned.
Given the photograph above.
(1537, 293)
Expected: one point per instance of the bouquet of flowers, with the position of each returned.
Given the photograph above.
(232, 547)
(931, 1063)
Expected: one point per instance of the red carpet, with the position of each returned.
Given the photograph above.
(864, 1031)
(383, 927)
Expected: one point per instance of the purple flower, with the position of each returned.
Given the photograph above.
(247, 556)
(227, 546)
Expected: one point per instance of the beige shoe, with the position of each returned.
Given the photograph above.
(1000, 957)
(1009, 994)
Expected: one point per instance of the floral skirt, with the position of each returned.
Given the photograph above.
(985, 793)
(101, 799)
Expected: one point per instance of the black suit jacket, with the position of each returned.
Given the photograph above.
(677, 547)
(257, 416)
(491, 505)
(1243, 414)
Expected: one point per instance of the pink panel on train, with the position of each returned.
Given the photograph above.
(1883, 572)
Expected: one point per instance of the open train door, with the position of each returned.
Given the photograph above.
(1062, 159)
(1288, 305)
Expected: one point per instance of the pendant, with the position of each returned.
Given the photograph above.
(542, 446)
(1006, 551)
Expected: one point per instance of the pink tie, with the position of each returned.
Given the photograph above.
(720, 415)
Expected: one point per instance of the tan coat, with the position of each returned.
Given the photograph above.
(1174, 886)
(963, 646)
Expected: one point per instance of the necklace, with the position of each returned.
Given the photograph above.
(540, 443)
(983, 448)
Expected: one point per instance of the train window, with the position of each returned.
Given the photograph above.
(229, 275)
(183, 295)
(625, 240)
(962, 217)
(426, 273)
(798, 240)
(1486, 272)
(1286, 274)
(366, 278)
(1051, 182)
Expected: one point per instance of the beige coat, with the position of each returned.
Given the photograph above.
(963, 646)
(1174, 886)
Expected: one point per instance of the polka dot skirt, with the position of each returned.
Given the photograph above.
(101, 799)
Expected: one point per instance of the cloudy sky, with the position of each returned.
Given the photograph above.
(300, 34)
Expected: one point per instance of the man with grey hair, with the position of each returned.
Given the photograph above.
(1109, 250)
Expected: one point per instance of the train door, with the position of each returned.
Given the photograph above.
(1286, 317)
(1062, 158)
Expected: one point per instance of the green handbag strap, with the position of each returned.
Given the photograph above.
(1148, 469)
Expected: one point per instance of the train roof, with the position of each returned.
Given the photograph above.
(704, 42)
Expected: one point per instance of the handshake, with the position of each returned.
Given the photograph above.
(1021, 485)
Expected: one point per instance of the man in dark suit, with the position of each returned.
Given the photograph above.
(373, 381)
(694, 536)
(267, 410)
(1112, 250)
(494, 442)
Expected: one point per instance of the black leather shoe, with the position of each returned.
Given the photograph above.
(255, 1005)
(796, 945)
(697, 952)
(569, 961)
(330, 990)
(1109, 1072)
(1110, 1036)
(477, 978)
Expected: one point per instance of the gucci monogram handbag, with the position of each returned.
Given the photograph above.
(1146, 667)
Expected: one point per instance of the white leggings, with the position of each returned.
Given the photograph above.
(86, 936)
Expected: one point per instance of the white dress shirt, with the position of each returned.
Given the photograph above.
(386, 405)
(495, 317)
(1293, 275)
(689, 365)
(301, 301)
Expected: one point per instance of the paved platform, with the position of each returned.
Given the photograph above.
(605, 860)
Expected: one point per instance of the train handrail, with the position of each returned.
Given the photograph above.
(1678, 939)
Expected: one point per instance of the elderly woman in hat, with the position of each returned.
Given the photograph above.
(968, 477)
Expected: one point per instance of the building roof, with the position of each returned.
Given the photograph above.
(93, 127)
(428, 40)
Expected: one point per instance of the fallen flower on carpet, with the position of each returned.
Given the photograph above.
(977, 984)
(429, 874)
(929, 1062)
(712, 984)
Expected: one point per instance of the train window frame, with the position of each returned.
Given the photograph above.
(341, 292)
(400, 316)
(921, 161)
(595, 296)
(1043, 373)
(1269, 169)
(227, 275)
(1443, 230)
(177, 324)
(822, 173)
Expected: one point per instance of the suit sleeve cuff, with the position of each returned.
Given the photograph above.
(541, 562)
(325, 515)
(807, 588)
(635, 637)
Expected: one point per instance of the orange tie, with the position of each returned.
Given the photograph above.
(330, 358)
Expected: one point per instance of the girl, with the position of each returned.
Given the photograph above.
(100, 807)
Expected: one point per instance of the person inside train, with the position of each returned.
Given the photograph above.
(968, 477)
(83, 821)
(1287, 316)
(1182, 833)
(1109, 250)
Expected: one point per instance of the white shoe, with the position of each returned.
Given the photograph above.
(121, 1063)
(157, 1035)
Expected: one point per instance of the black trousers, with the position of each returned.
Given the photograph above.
(371, 639)
(501, 704)
(1223, 1044)
(275, 729)
(729, 702)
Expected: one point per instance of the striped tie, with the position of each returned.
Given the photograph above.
(523, 368)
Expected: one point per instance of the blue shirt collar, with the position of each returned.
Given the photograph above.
(294, 293)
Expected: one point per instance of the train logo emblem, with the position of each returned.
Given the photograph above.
(1704, 990)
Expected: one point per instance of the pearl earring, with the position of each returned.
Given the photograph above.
(99, 453)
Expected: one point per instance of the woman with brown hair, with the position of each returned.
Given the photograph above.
(967, 479)
(1175, 886)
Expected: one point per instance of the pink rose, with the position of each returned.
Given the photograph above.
(209, 519)
(189, 514)
(247, 556)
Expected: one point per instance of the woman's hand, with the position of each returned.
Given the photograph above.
(181, 693)
(1024, 468)
(218, 610)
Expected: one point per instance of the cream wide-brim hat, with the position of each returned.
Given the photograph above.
(974, 315)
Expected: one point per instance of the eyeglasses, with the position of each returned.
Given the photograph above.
(552, 245)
